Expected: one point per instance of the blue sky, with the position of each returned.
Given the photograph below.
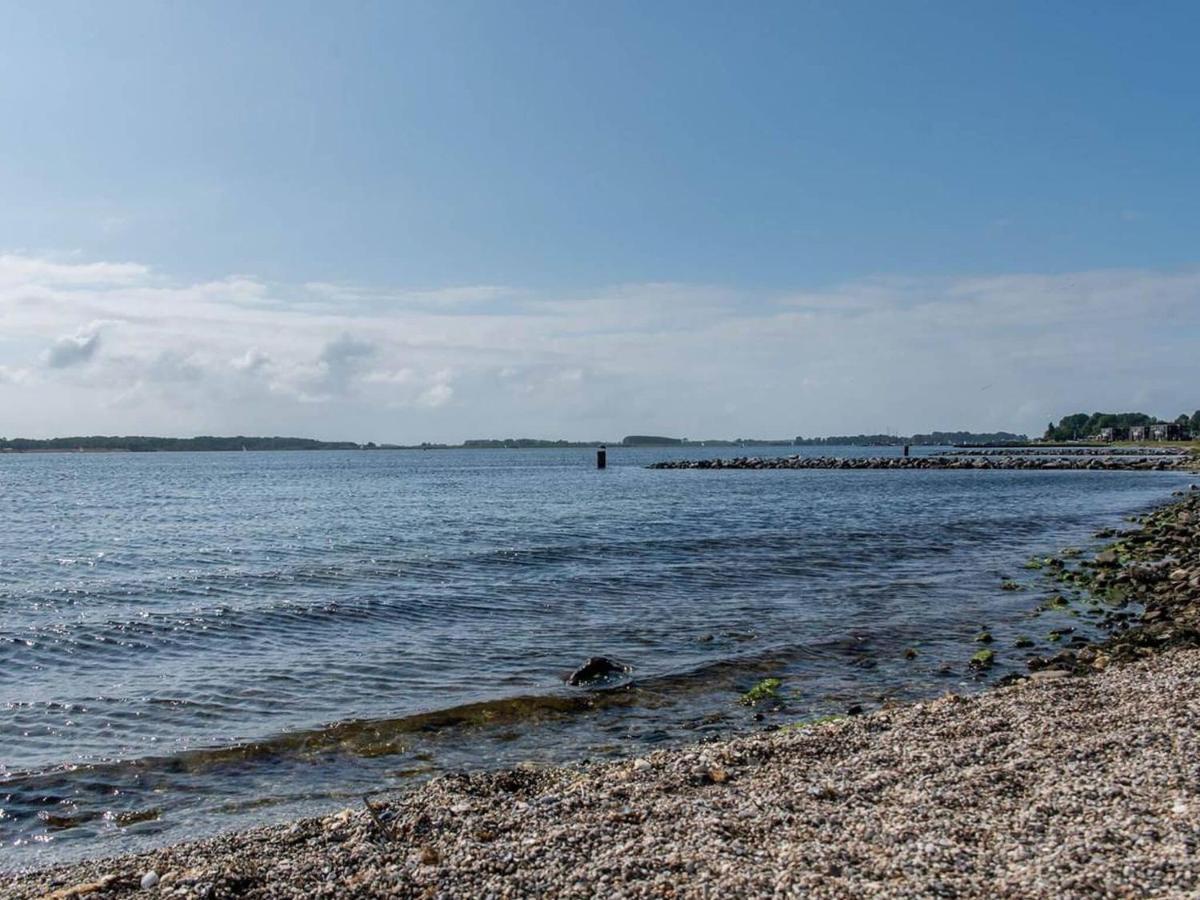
(420, 179)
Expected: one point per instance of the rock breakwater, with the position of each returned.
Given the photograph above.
(1124, 463)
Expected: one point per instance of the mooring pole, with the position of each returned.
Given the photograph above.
(602, 458)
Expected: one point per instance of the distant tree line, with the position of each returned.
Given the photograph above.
(935, 438)
(523, 444)
(650, 440)
(139, 444)
(1081, 426)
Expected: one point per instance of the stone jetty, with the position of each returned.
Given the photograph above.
(1118, 462)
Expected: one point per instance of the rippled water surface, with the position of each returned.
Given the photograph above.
(196, 642)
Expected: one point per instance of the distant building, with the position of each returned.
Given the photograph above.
(1139, 433)
(1112, 434)
(1166, 431)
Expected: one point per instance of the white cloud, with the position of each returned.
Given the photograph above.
(436, 395)
(342, 296)
(240, 355)
(16, 270)
(73, 349)
(253, 360)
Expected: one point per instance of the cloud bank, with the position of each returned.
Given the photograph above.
(116, 347)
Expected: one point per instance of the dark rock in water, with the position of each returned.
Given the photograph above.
(597, 668)
(854, 710)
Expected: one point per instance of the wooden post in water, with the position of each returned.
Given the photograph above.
(602, 458)
(906, 450)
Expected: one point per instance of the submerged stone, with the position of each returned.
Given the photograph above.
(983, 659)
(596, 669)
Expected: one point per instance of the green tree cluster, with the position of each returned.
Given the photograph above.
(933, 439)
(1081, 426)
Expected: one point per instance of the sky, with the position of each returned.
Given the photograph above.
(439, 221)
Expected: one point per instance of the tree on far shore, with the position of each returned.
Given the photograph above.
(1080, 426)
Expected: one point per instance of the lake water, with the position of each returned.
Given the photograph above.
(196, 642)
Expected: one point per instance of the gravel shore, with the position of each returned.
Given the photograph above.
(1059, 786)
(1080, 781)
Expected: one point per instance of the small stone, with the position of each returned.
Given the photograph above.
(430, 856)
(150, 880)
(641, 764)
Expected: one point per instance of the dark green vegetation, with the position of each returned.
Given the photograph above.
(519, 444)
(139, 444)
(650, 440)
(933, 439)
(147, 444)
(767, 689)
(984, 659)
(1081, 426)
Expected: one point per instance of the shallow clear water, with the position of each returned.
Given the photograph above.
(196, 642)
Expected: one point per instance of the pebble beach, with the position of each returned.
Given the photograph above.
(1080, 780)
